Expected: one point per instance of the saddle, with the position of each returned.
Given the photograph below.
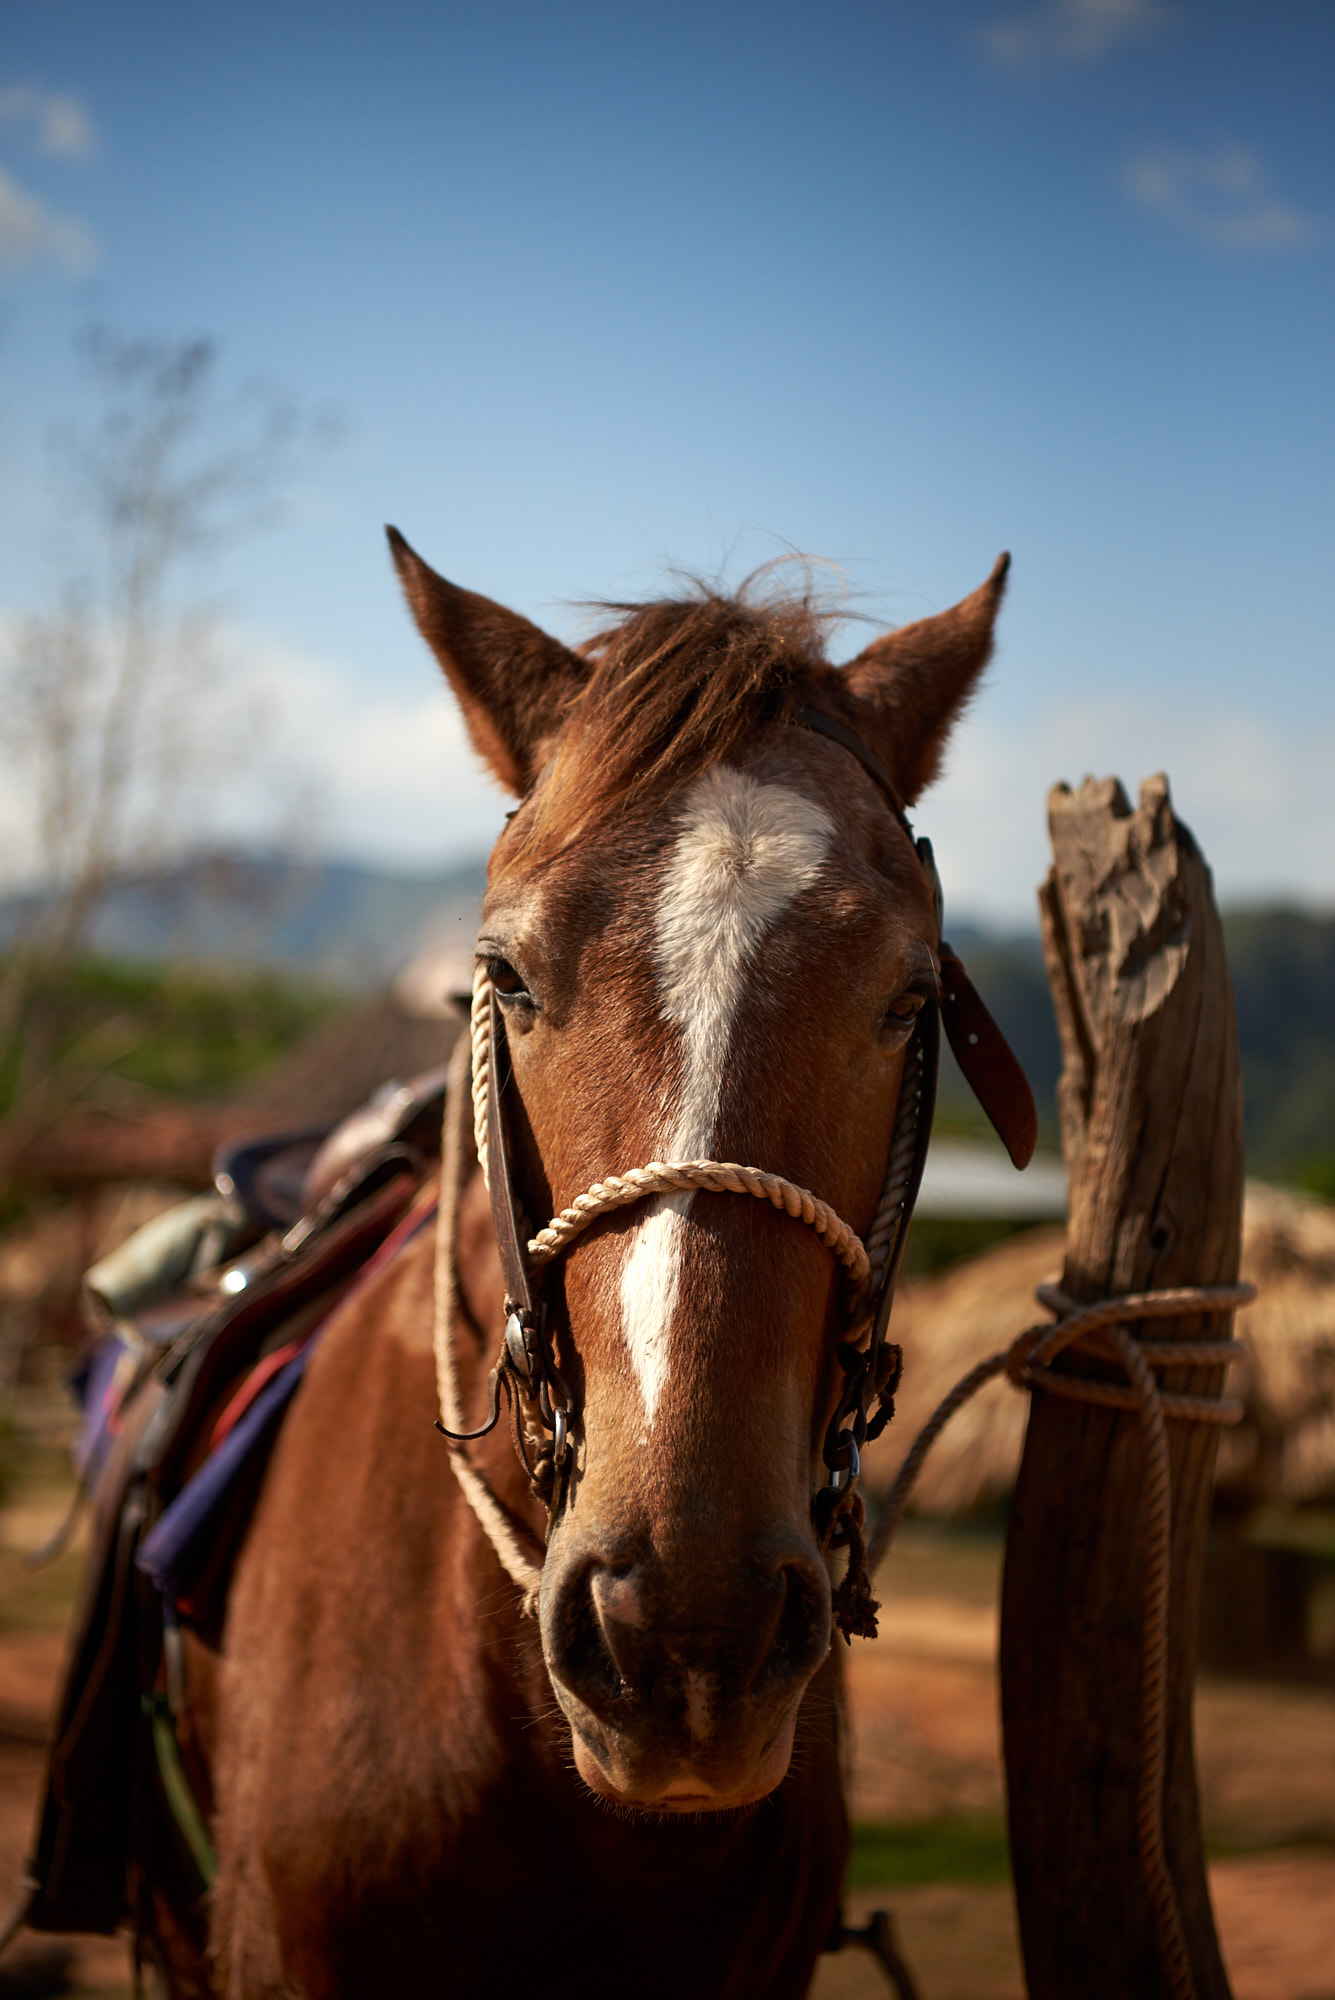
(206, 1319)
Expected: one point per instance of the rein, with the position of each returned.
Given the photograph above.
(544, 1419)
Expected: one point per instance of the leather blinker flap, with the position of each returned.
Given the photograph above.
(990, 1067)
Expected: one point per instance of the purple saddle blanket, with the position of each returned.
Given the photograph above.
(182, 1546)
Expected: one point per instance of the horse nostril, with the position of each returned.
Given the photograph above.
(580, 1653)
(801, 1631)
(620, 1612)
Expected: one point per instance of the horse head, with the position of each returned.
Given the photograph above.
(710, 938)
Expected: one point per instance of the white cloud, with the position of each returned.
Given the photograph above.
(1069, 31)
(392, 774)
(61, 128)
(1257, 796)
(30, 229)
(1223, 197)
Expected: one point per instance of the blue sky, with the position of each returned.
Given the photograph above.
(600, 289)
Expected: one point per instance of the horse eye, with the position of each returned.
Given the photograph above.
(508, 984)
(905, 1010)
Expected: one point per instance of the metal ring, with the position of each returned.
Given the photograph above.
(560, 1435)
(842, 1475)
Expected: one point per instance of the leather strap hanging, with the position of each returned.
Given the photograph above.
(990, 1067)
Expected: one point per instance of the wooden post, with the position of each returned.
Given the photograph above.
(1151, 1115)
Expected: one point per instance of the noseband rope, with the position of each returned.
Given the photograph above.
(541, 1408)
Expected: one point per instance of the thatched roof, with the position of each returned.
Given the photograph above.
(1284, 1450)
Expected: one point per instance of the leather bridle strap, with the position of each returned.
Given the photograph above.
(522, 1345)
(848, 739)
(509, 1236)
(526, 1364)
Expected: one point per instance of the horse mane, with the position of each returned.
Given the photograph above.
(673, 687)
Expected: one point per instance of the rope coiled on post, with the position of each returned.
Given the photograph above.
(1099, 1329)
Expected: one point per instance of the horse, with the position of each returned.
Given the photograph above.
(707, 936)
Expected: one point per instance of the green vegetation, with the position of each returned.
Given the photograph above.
(908, 1853)
(1316, 1174)
(937, 1241)
(180, 1031)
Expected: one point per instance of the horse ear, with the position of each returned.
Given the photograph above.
(512, 682)
(910, 687)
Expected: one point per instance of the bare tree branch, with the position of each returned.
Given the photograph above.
(114, 704)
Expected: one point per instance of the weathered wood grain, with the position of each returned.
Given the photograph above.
(1151, 1114)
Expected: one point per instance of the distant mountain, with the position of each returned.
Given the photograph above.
(349, 925)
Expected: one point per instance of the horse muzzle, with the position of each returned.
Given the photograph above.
(681, 1674)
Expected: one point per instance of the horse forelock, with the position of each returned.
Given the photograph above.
(673, 688)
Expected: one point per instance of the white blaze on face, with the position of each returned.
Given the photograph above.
(744, 852)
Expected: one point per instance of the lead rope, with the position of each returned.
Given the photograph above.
(1099, 1329)
(866, 1264)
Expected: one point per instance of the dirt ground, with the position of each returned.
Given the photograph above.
(924, 1710)
(928, 1737)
